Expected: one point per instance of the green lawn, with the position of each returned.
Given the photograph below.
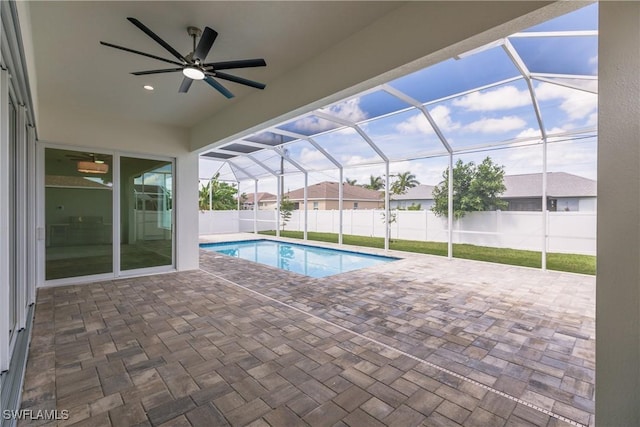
(573, 263)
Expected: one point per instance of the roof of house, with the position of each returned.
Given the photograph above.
(419, 192)
(72, 182)
(328, 190)
(261, 197)
(559, 184)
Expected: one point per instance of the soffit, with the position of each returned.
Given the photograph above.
(74, 72)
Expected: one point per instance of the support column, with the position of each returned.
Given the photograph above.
(211, 194)
(255, 207)
(238, 196)
(387, 211)
(306, 215)
(278, 200)
(618, 237)
(340, 205)
(545, 213)
(450, 209)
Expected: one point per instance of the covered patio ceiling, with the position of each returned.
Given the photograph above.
(533, 87)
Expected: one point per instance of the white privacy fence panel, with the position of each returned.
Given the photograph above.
(574, 233)
(266, 220)
(569, 232)
(216, 222)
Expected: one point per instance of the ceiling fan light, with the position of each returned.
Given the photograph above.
(193, 73)
(92, 167)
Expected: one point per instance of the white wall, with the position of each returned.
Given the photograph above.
(569, 232)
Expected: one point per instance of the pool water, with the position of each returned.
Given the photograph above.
(303, 259)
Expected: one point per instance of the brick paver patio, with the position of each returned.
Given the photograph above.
(419, 341)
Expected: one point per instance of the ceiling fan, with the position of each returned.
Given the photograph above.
(192, 65)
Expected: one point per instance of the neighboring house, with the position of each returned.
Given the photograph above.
(324, 196)
(419, 195)
(565, 192)
(265, 201)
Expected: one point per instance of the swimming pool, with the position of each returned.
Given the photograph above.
(303, 259)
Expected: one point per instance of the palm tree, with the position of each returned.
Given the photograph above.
(403, 182)
(351, 181)
(375, 183)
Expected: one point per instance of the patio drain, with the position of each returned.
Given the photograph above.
(404, 353)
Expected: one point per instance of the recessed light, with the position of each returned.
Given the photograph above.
(148, 87)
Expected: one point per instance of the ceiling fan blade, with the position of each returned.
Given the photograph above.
(158, 40)
(148, 55)
(166, 70)
(240, 63)
(205, 43)
(217, 86)
(240, 80)
(185, 85)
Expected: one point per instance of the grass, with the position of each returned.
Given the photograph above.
(572, 263)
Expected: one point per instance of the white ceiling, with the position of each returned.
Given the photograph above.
(75, 72)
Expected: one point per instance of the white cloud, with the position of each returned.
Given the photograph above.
(578, 157)
(350, 160)
(311, 157)
(348, 110)
(535, 133)
(575, 103)
(442, 116)
(418, 124)
(415, 124)
(503, 98)
(504, 124)
(529, 133)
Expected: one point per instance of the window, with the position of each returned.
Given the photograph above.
(355, 205)
(315, 206)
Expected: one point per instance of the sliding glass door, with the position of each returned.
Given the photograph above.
(146, 213)
(106, 214)
(78, 213)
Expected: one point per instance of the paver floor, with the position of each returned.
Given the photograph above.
(419, 341)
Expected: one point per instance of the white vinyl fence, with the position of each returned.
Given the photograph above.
(216, 222)
(569, 232)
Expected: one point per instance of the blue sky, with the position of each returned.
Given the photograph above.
(492, 115)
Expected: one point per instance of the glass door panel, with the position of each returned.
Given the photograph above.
(78, 213)
(146, 207)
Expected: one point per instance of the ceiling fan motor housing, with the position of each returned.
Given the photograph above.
(194, 31)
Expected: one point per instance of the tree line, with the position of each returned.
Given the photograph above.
(476, 187)
(401, 182)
